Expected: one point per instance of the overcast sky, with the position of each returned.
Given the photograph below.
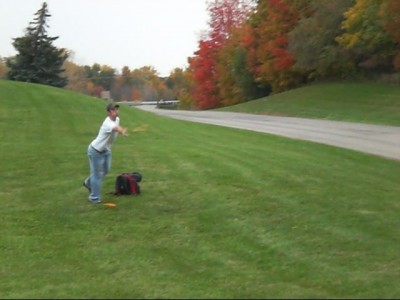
(117, 33)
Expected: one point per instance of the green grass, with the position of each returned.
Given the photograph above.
(366, 102)
(223, 213)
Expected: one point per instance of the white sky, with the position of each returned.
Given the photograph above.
(117, 33)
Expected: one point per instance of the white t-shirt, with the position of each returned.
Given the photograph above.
(106, 135)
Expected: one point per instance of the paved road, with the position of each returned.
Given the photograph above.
(374, 139)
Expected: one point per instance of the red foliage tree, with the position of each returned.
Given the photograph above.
(204, 75)
(268, 57)
(225, 15)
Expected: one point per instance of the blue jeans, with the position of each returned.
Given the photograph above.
(100, 165)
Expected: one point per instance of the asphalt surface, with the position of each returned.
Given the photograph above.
(379, 140)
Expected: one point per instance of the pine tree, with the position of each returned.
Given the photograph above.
(38, 61)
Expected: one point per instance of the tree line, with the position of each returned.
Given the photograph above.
(276, 45)
(251, 49)
(39, 61)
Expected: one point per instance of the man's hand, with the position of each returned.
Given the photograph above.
(123, 131)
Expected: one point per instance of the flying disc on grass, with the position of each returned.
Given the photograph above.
(110, 204)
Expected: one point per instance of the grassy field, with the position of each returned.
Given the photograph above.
(223, 213)
(367, 102)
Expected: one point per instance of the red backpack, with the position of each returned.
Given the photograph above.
(127, 184)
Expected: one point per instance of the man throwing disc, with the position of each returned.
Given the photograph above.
(99, 152)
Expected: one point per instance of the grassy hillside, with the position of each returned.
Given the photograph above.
(223, 213)
(366, 102)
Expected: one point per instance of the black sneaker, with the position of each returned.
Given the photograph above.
(86, 186)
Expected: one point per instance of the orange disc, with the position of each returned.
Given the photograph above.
(110, 204)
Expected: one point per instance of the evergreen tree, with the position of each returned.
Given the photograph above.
(38, 61)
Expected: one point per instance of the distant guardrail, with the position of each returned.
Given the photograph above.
(168, 104)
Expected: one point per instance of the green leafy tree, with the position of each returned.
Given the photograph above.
(236, 83)
(312, 41)
(100, 75)
(121, 86)
(185, 95)
(174, 84)
(390, 11)
(146, 81)
(38, 61)
(176, 80)
(365, 36)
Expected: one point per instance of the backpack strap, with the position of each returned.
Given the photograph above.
(133, 186)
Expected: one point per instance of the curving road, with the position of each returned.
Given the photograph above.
(374, 139)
